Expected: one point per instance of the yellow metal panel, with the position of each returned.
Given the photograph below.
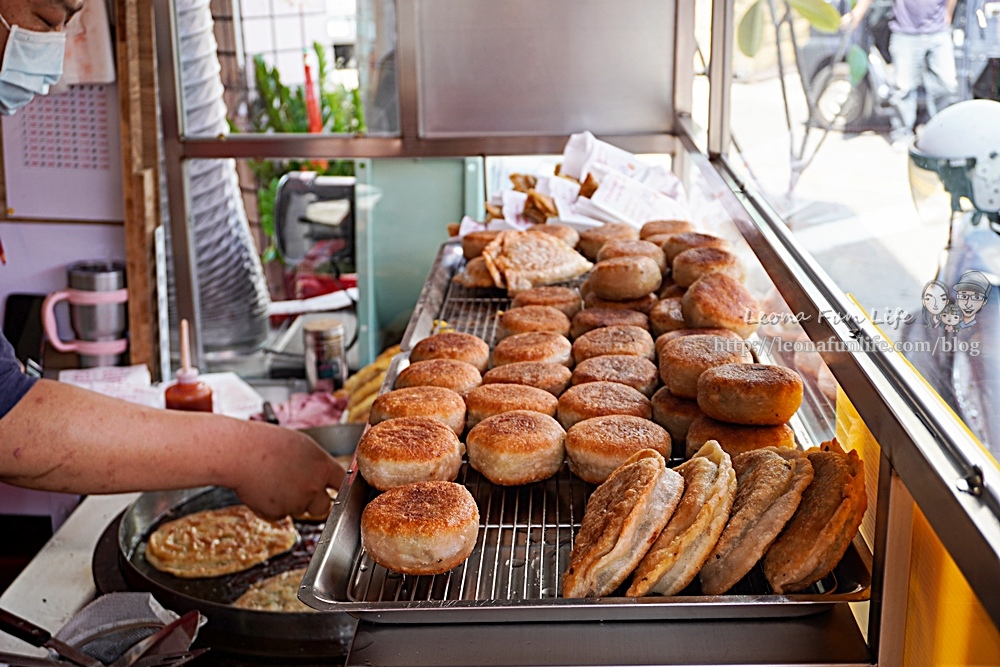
(852, 433)
(945, 624)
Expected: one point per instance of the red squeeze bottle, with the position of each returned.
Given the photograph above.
(188, 393)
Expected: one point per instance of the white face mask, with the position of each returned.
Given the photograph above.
(32, 62)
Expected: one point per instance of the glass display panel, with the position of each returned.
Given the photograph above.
(824, 129)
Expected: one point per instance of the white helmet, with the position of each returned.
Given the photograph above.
(959, 148)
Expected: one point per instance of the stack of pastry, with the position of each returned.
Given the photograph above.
(745, 406)
(682, 360)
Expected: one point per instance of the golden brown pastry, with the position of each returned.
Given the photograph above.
(438, 403)
(475, 275)
(598, 399)
(678, 243)
(523, 182)
(675, 415)
(665, 227)
(824, 524)
(717, 300)
(692, 264)
(217, 542)
(660, 239)
(636, 372)
(409, 449)
(737, 438)
(495, 399)
(625, 278)
(667, 315)
(671, 291)
(553, 378)
(540, 346)
(595, 318)
(564, 298)
(643, 304)
(473, 243)
(662, 339)
(695, 527)
(538, 207)
(685, 358)
(423, 528)
(453, 345)
(625, 248)
(624, 515)
(564, 233)
(596, 447)
(519, 261)
(532, 318)
(753, 394)
(769, 486)
(277, 593)
(589, 186)
(614, 340)
(459, 376)
(518, 447)
(592, 240)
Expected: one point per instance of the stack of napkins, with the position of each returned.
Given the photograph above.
(629, 191)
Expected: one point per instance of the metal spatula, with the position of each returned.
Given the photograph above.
(36, 636)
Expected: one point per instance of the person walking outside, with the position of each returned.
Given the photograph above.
(922, 51)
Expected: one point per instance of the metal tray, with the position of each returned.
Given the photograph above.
(525, 536)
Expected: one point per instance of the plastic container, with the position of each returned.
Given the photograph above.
(326, 365)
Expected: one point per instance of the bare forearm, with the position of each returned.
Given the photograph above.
(61, 438)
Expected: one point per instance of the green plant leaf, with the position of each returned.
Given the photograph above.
(857, 59)
(821, 15)
(750, 32)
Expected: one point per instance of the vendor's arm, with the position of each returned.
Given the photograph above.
(62, 438)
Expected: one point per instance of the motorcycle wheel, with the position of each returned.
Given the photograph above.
(839, 105)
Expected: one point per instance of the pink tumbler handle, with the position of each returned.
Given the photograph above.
(49, 321)
(81, 298)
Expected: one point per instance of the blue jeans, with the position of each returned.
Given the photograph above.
(927, 59)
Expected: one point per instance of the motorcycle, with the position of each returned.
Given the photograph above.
(840, 105)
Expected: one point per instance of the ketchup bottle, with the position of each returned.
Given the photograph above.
(188, 393)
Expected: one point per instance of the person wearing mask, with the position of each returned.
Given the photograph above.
(56, 437)
(922, 51)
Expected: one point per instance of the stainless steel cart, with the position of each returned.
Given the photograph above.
(648, 45)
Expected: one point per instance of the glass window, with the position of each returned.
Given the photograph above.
(288, 66)
(830, 112)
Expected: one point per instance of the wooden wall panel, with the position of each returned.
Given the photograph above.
(135, 42)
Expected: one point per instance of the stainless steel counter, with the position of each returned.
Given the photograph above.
(59, 581)
(830, 638)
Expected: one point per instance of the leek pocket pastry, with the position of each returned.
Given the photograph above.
(824, 524)
(624, 515)
(769, 487)
(684, 545)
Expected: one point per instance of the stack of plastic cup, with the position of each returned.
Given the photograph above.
(232, 291)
